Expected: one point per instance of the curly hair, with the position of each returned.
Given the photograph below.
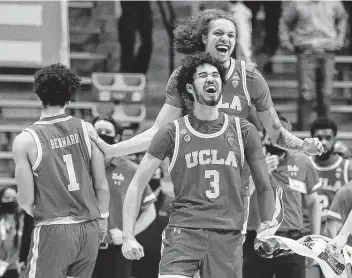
(55, 85)
(323, 123)
(188, 36)
(188, 68)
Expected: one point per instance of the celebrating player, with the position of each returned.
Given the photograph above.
(214, 32)
(61, 182)
(207, 150)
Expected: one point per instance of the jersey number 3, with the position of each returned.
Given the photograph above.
(73, 185)
(214, 184)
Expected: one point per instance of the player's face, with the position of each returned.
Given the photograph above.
(221, 38)
(106, 131)
(327, 138)
(207, 85)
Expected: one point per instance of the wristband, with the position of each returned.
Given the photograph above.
(104, 215)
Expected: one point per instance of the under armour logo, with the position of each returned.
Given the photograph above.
(177, 230)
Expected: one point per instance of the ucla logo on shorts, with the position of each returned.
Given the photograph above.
(187, 138)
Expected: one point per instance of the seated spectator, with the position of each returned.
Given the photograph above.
(314, 30)
(11, 225)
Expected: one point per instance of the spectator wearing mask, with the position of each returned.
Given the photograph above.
(295, 174)
(119, 172)
(11, 225)
(314, 30)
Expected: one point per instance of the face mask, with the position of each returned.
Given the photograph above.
(273, 150)
(108, 139)
(9, 207)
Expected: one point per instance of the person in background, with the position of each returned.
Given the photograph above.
(334, 171)
(11, 226)
(133, 17)
(295, 174)
(314, 30)
(119, 172)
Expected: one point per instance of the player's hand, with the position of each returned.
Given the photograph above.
(116, 236)
(102, 145)
(312, 146)
(103, 228)
(273, 162)
(336, 245)
(132, 250)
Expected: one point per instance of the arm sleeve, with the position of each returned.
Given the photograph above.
(148, 198)
(163, 142)
(173, 96)
(312, 178)
(341, 204)
(259, 90)
(28, 225)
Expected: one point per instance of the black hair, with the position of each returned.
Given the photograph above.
(188, 68)
(118, 127)
(323, 123)
(55, 85)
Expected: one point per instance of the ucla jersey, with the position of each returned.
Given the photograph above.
(235, 99)
(62, 171)
(206, 172)
(332, 178)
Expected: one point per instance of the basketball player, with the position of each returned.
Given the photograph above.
(245, 89)
(207, 150)
(61, 182)
(334, 171)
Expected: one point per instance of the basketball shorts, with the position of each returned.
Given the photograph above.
(215, 253)
(65, 250)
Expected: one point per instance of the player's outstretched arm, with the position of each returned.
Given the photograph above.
(131, 249)
(140, 142)
(256, 160)
(286, 139)
(23, 172)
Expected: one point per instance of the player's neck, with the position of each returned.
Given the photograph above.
(227, 63)
(205, 113)
(51, 111)
(326, 162)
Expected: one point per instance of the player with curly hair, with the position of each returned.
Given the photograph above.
(214, 31)
(207, 149)
(61, 181)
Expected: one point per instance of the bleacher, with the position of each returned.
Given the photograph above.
(90, 52)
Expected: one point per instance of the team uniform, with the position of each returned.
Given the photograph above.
(297, 176)
(65, 239)
(110, 261)
(207, 213)
(333, 177)
(341, 206)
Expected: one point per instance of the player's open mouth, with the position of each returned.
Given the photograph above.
(222, 48)
(211, 89)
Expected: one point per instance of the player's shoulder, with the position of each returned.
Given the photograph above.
(23, 141)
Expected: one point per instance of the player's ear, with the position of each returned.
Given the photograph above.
(204, 39)
(190, 88)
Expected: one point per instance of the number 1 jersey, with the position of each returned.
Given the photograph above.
(206, 172)
(62, 171)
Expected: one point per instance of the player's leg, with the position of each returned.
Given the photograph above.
(83, 264)
(52, 250)
(182, 251)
